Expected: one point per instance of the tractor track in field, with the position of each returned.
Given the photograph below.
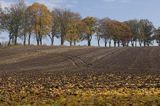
(145, 59)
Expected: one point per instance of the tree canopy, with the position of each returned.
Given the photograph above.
(37, 21)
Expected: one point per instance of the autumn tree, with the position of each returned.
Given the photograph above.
(134, 27)
(24, 21)
(91, 26)
(157, 36)
(104, 31)
(146, 32)
(63, 18)
(29, 18)
(82, 29)
(12, 20)
(73, 34)
(1, 17)
(54, 28)
(98, 35)
(18, 15)
(42, 21)
(120, 32)
(125, 34)
(113, 30)
(98, 31)
(6, 22)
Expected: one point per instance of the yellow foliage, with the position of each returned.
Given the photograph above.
(42, 18)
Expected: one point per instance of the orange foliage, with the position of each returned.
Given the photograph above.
(41, 18)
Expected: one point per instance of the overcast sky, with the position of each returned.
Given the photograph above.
(116, 9)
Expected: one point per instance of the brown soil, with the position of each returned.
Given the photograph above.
(32, 74)
(19, 59)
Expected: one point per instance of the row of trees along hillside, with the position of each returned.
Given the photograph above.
(22, 21)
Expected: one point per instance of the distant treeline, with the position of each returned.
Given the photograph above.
(22, 21)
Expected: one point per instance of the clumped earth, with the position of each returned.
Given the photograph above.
(79, 76)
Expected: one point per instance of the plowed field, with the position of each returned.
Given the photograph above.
(79, 76)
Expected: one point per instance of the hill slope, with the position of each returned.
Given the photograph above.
(146, 59)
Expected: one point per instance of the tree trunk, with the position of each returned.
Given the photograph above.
(74, 43)
(118, 44)
(132, 43)
(24, 42)
(62, 40)
(15, 40)
(144, 43)
(37, 38)
(29, 39)
(98, 40)
(52, 40)
(10, 37)
(105, 42)
(89, 42)
(123, 44)
(140, 43)
(37, 42)
(98, 43)
(70, 43)
(109, 43)
(41, 41)
(114, 43)
(9, 42)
